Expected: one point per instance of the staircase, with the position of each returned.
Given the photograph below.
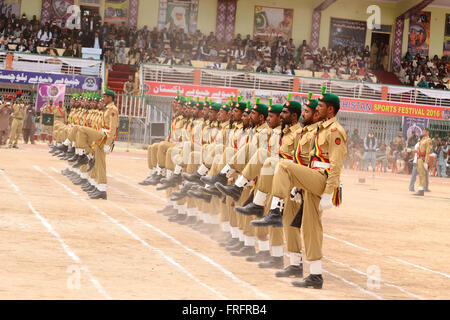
(118, 76)
(387, 77)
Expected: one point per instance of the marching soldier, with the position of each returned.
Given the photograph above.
(320, 182)
(91, 141)
(423, 154)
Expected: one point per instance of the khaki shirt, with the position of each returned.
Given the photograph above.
(19, 111)
(332, 147)
(425, 148)
(287, 144)
(303, 142)
(111, 123)
(60, 114)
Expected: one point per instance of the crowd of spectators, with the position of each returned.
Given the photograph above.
(122, 44)
(397, 156)
(425, 72)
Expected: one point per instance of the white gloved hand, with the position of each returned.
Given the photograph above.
(425, 166)
(296, 195)
(107, 149)
(326, 202)
(293, 193)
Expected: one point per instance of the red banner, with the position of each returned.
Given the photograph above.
(170, 90)
(392, 108)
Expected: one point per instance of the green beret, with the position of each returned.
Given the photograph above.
(227, 106)
(241, 106)
(199, 105)
(248, 107)
(293, 106)
(261, 108)
(313, 103)
(110, 93)
(215, 106)
(182, 101)
(276, 108)
(98, 99)
(330, 98)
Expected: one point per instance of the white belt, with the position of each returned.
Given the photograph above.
(285, 160)
(322, 165)
(105, 130)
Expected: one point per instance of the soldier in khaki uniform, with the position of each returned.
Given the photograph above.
(320, 182)
(47, 131)
(5, 114)
(91, 142)
(19, 111)
(423, 154)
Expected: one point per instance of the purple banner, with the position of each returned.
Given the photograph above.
(34, 78)
(47, 92)
(413, 125)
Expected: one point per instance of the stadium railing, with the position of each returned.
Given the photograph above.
(263, 81)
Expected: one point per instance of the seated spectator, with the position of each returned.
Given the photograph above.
(69, 51)
(325, 74)
(51, 51)
(262, 68)
(232, 65)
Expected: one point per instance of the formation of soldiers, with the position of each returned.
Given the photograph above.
(253, 176)
(83, 137)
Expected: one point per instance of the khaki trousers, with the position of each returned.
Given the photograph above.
(16, 130)
(313, 182)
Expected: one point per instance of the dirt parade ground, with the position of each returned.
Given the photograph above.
(55, 243)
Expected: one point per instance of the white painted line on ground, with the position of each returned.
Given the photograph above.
(386, 256)
(381, 281)
(354, 285)
(160, 198)
(198, 254)
(132, 234)
(52, 231)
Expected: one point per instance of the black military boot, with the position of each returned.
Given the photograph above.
(149, 178)
(63, 148)
(90, 189)
(261, 256)
(232, 191)
(251, 210)
(188, 221)
(177, 218)
(220, 177)
(273, 218)
(170, 212)
(195, 177)
(75, 158)
(419, 193)
(168, 207)
(313, 280)
(238, 246)
(274, 263)
(244, 252)
(211, 190)
(230, 242)
(81, 161)
(65, 172)
(80, 182)
(291, 271)
(77, 180)
(155, 180)
(199, 195)
(171, 182)
(91, 164)
(99, 195)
